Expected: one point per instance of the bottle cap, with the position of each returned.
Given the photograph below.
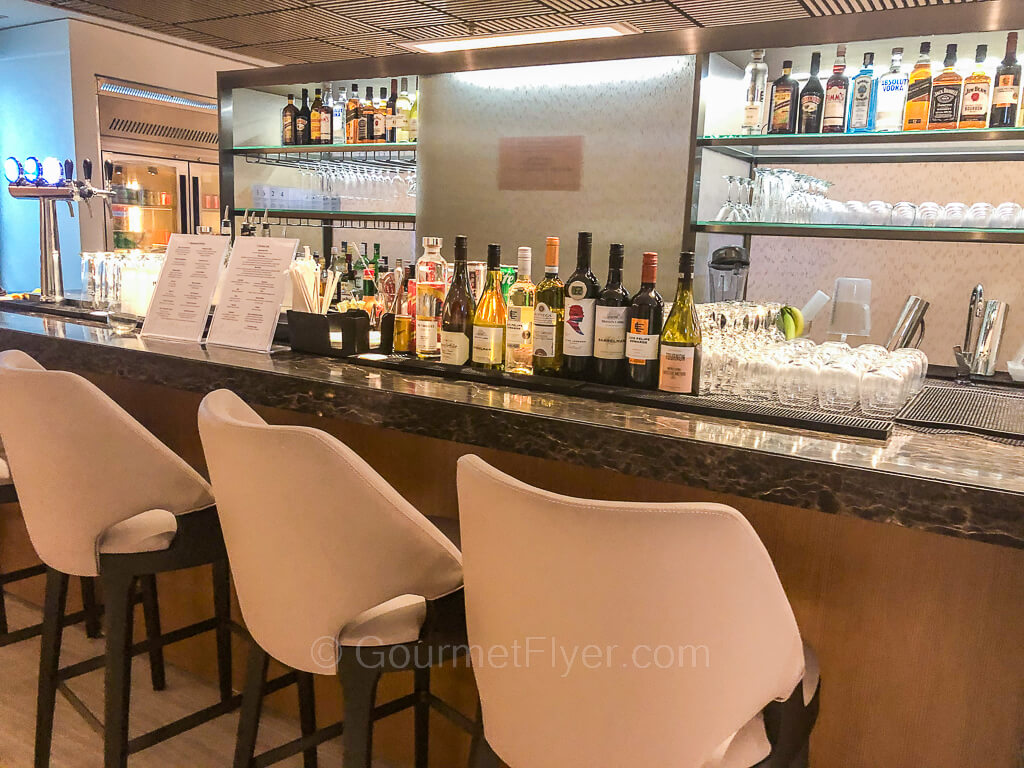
(461, 247)
(493, 257)
(840, 50)
(551, 252)
(525, 260)
(686, 263)
(649, 269)
(982, 54)
(787, 64)
(950, 55)
(585, 238)
(869, 59)
(897, 51)
(616, 250)
(432, 242)
(291, 96)
(926, 47)
(758, 52)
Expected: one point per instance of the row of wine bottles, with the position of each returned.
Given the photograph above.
(574, 328)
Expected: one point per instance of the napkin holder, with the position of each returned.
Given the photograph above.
(338, 334)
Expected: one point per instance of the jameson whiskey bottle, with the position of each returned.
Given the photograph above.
(919, 91)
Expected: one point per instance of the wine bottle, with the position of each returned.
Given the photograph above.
(457, 313)
(610, 323)
(302, 120)
(522, 296)
(431, 270)
(288, 116)
(380, 118)
(811, 99)
(391, 113)
(681, 338)
(785, 103)
(1006, 88)
(581, 291)
(547, 316)
(643, 327)
(403, 106)
(489, 317)
(837, 91)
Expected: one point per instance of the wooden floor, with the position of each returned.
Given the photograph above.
(77, 746)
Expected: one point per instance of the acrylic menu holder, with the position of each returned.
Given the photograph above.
(339, 334)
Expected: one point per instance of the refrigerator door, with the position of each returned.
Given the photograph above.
(204, 192)
(150, 200)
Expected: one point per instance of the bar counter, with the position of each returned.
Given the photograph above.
(954, 484)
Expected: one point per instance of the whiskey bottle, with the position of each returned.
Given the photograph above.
(863, 94)
(288, 115)
(919, 91)
(977, 90)
(756, 78)
(380, 118)
(315, 118)
(944, 111)
(892, 95)
(366, 113)
(812, 98)
(1006, 88)
(785, 101)
(352, 112)
(391, 113)
(302, 120)
(837, 91)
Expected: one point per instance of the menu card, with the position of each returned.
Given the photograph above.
(252, 292)
(181, 299)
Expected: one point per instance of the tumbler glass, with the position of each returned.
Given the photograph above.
(904, 214)
(929, 214)
(953, 215)
(839, 384)
(882, 391)
(979, 215)
(797, 382)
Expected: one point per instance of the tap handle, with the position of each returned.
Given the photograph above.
(87, 169)
(108, 172)
(69, 169)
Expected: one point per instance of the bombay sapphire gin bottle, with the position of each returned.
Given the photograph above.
(863, 93)
(892, 95)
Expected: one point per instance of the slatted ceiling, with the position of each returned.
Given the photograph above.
(524, 23)
(713, 13)
(292, 31)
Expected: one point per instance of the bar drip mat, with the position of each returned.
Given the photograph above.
(975, 410)
(854, 424)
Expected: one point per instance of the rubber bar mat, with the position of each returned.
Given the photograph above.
(967, 409)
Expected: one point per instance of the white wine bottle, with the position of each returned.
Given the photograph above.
(680, 338)
(519, 324)
(489, 318)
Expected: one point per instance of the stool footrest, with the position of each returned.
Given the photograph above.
(22, 573)
(186, 723)
(452, 714)
(394, 706)
(294, 747)
(80, 707)
(35, 630)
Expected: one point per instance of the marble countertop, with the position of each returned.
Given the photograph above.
(958, 485)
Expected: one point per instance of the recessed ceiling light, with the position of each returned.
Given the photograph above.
(476, 42)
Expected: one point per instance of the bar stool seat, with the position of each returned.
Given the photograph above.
(149, 531)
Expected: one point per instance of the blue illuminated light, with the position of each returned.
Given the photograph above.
(33, 170)
(13, 171)
(53, 171)
(141, 93)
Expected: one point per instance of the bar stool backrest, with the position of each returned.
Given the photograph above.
(314, 535)
(82, 463)
(636, 634)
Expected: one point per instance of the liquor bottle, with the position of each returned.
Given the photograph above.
(490, 316)
(610, 323)
(403, 105)
(977, 90)
(837, 91)
(522, 297)
(457, 313)
(756, 78)
(863, 97)
(302, 120)
(581, 290)
(548, 314)
(643, 327)
(288, 116)
(1006, 88)
(327, 117)
(919, 91)
(785, 102)
(812, 98)
(352, 112)
(414, 117)
(944, 110)
(392, 113)
(339, 128)
(366, 113)
(380, 117)
(315, 118)
(431, 270)
(680, 338)
(892, 95)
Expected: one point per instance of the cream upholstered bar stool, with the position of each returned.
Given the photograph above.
(103, 497)
(661, 636)
(336, 573)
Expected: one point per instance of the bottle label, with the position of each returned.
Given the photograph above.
(301, 124)
(314, 127)
(975, 100)
(782, 103)
(835, 107)
(752, 114)
(945, 104)
(610, 332)
(892, 96)
(454, 347)
(287, 131)
(918, 96)
(544, 328)
(325, 125)
(810, 103)
(488, 344)
(378, 124)
(860, 109)
(362, 128)
(677, 365)
(1005, 92)
(426, 334)
(578, 333)
(641, 346)
(518, 328)
(390, 122)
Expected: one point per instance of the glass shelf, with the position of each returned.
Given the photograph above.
(354, 219)
(402, 146)
(864, 232)
(969, 144)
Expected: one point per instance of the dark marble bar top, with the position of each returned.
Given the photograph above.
(957, 485)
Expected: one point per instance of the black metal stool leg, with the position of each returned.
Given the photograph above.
(252, 705)
(3, 609)
(151, 613)
(422, 717)
(49, 663)
(93, 621)
(481, 755)
(222, 611)
(307, 715)
(359, 689)
(118, 591)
